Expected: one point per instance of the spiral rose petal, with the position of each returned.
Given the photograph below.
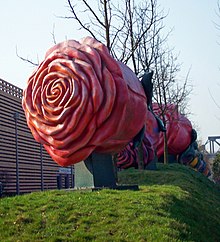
(81, 100)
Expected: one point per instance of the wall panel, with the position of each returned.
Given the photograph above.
(32, 169)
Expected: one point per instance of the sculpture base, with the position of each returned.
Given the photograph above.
(97, 172)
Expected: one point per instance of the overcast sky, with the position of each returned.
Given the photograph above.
(27, 26)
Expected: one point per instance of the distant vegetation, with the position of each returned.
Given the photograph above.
(174, 203)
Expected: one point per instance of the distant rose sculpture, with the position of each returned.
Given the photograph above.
(129, 157)
(179, 130)
(80, 100)
(181, 142)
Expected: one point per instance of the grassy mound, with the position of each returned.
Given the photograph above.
(174, 203)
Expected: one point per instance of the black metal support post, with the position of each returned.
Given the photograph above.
(97, 172)
(41, 167)
(67, 181)
(59, 181)
(16, 117)
(72, 178)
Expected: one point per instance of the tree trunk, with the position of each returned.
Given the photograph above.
(166, 161)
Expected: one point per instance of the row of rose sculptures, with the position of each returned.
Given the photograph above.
(81, 100)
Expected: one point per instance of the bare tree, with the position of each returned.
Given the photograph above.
(133, 34)
(98, 21)
(168, 89)
(154, 54)
(123, 27)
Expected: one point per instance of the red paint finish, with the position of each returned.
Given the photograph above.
(179, 131)
(129, 157)
(80, 100)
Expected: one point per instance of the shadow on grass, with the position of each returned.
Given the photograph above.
(198, 209)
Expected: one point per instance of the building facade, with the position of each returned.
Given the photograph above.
(25, 166)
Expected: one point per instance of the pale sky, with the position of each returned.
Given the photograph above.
(27, 25)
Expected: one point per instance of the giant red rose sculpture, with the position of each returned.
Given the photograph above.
(80, 100)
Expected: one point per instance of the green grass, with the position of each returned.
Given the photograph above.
(174, 203)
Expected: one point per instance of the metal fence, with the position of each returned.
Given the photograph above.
(25, 166)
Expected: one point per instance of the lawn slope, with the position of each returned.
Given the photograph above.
(174, 203)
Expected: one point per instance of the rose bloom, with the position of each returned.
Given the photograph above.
(80, 100)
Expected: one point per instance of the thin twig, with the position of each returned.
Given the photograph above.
(26, 59)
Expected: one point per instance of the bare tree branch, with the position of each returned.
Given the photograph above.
(93, 13)
(213, 99)
(107, 24)
(84, 26)
(26, 59)
(53, 34)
